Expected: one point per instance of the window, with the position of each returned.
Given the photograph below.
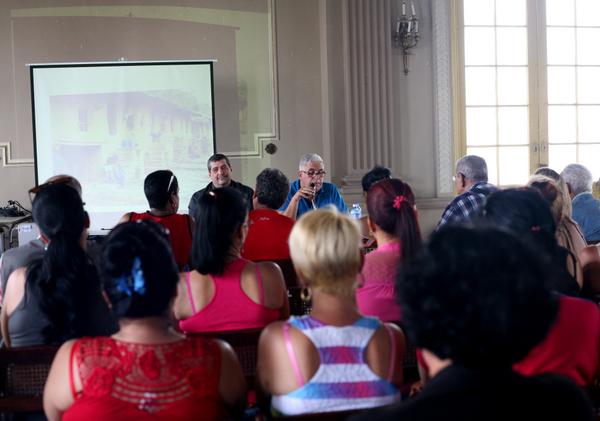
(530, 93)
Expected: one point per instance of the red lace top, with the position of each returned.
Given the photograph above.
(126, 381)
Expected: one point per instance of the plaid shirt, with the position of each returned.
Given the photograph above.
(465, 204)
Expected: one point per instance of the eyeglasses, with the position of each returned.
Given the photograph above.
(170, 182)
(58, 180)
(455, 177)
(314, 173)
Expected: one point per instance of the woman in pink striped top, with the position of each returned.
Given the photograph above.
(393, 221)
(334, 359)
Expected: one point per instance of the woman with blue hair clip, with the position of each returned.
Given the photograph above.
(146, 370)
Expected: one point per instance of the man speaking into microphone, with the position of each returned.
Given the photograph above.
(309, 191)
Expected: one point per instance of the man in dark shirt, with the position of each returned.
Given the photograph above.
(219, 171)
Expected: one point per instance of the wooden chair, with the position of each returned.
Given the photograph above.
(298, 307)
(245, 345)
(23, 373)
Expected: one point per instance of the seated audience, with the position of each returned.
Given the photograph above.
(220, 174)
(334, 359)
(224, 291)
(586, 208)
(310, 191)
(21, 256)
(58, 296)
(377, 174)
(145, 371)
(475, 303)
(524, 212)
(162, 191)
(268, 230)
(568, 232)
(393, 221)
(567, 235)
(471, 183)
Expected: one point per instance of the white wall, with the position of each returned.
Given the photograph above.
(311, 97)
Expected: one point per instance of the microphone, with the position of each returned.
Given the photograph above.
(312, 201)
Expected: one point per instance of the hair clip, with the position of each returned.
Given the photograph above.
(134, 281)
(536, 228)
(398, 201)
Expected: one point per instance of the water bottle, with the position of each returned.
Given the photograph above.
(356, 211)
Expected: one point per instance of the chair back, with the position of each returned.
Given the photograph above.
(298, 307)
(245, 344)
(23, 373)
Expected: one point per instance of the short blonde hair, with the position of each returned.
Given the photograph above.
(325, 250)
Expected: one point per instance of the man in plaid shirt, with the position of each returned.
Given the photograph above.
(472, 186)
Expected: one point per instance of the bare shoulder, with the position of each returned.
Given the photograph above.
(272, 333)
(270, 270)
(589, 254)
(15, 289)
(19, 274)
(125, 218)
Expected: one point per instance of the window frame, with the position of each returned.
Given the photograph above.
(537, 82)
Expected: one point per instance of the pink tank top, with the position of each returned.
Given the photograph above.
(230, 307)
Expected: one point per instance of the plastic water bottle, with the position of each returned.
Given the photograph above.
(356, 211)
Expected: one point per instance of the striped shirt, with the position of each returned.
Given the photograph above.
(343, 380)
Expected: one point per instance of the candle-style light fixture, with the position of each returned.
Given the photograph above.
(405, 32)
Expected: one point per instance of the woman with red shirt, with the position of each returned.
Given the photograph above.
(146, 370)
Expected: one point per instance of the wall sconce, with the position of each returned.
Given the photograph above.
(405, 32)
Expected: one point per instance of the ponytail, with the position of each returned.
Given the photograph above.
(64, 277)
(220, 214)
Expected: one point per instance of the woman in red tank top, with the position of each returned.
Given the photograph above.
(145, 371)
(223, 291)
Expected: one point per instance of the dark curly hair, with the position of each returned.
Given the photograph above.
(272, 188)
(147, 241)
(220, 214)
(378, 173)
(477, 296)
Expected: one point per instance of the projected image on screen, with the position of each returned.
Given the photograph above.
(111, 125)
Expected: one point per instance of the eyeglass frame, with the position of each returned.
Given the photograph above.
(315, 173)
